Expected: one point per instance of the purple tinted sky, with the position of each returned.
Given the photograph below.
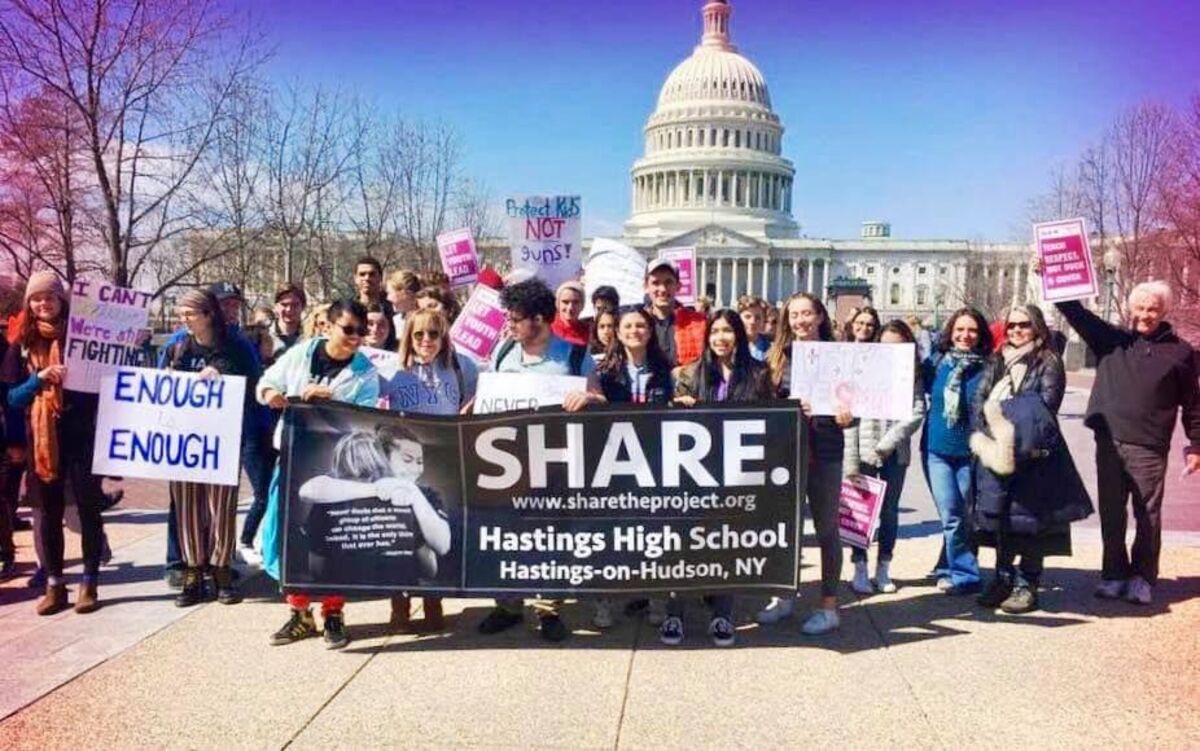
(942, 116)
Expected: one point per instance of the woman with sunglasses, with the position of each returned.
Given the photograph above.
(725, 372)
(206, 513)
(805, 319)
(1010, 509)
(433, 380)
(330, 368)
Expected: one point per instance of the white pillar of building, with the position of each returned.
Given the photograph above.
(720, 286)
(733, 188)
(766, 276)
(733, 282)
(703, 277)
(809, 276)
(749, 276)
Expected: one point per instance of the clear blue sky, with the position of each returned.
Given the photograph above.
(941, 116)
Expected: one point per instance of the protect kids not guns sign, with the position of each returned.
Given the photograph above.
(545, 235)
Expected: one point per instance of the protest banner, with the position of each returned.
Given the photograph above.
(609, 500)
(460, 260)
(505, 392)
(858, 509)
(871, 380)
(104, 332)
(477, 329)
(167, 425)
(616, 265)
(545, 235)
(1068, 272)
(685, 262)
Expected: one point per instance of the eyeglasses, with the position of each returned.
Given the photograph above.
(512, 319)
(1023, 325)
(354, 330)
(426, 335)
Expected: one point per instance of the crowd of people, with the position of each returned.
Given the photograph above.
(985, 402)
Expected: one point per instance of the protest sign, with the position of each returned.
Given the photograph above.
(477, 329)
(616, 265)
(545, 235)
(460, 261)
(685, 262)
(104, 332)
(858, 509)
(1068, 272)
(167, 425)
(386, 362)
(505, 392)
(871, 380)
(609, 500)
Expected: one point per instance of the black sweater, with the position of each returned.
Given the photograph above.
(1141, 381)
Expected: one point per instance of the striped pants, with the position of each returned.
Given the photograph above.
(207, 516)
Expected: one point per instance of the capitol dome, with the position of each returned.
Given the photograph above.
(712, 147)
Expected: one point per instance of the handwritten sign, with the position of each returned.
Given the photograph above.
(858, 509)
(166, 425)
(505, 392)
(871, 380)
(103, 332)
(1068, 272)
(460, 260)
(685, 261)
(545, 236)
(477, 328)
(616, 265)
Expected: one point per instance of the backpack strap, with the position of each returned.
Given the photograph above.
(505, 348)
(458, 376)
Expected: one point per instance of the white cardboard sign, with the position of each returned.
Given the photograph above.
(872, 380)
(505, 392)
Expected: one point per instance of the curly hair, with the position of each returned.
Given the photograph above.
(528, 299)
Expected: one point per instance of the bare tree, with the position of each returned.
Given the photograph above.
(149, 82)
(429, 158)
(1179, 202)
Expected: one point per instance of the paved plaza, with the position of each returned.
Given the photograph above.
(917, 669)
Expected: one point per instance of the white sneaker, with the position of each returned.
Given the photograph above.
(862, 581)
(944, 585)
(883, 577)
(1110, 589)
(249, 556)
(602, 617)
(821, 622)
(776, 610)
(1138, 591)
(658, 611)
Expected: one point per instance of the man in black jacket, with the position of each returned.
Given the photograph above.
(1145, 376)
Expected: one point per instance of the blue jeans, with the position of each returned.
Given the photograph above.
(950, 483)
(892, 472)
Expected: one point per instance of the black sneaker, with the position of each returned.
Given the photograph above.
(300, 626)
(1022, 600)
(192, 592)
(227, 589)
(722, 632)
(174, 578)
(671, 631)
(500, 619)
(336, 635)
(997, 592)
(552, 628)
(8, 569)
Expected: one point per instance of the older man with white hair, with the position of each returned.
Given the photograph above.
(1145, 376)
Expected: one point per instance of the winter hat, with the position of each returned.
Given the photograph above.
(45, 281)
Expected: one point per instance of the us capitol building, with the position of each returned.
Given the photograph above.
(714, 176)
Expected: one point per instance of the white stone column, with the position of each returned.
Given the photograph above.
(766, 276)
(733, 282)
(794, 287)
(733, 188)
(703, 277)
(809, 276)
(749, 276)
(720, 285)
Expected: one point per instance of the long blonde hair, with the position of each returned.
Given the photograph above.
(424, 316)
(779, 356)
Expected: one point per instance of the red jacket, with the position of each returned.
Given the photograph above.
(689, 335)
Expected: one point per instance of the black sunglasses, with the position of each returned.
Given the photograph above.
(354, 330)
(1019, 325)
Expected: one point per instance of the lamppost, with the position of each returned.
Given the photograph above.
(939, 292)
(1112, 261)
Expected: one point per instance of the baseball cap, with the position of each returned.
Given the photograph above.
(662, 263)
(225, 291)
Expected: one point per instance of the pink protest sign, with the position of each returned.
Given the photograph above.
(858, 509)
(684, 260)
(459, 259)
(1068, 272)
(477, 329)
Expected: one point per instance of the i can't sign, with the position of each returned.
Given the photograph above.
(1068, 272)
(164, 425)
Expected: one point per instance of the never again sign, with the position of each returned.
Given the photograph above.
(164, 425)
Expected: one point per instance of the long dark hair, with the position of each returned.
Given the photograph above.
(212, 308)
(1041, 332)
(615, 358)
(595, 346)
(744, 366)
(946, 340)
(780, 354)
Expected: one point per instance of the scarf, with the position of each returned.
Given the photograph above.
(47, 406)
(1015, 369)
(960, 363)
